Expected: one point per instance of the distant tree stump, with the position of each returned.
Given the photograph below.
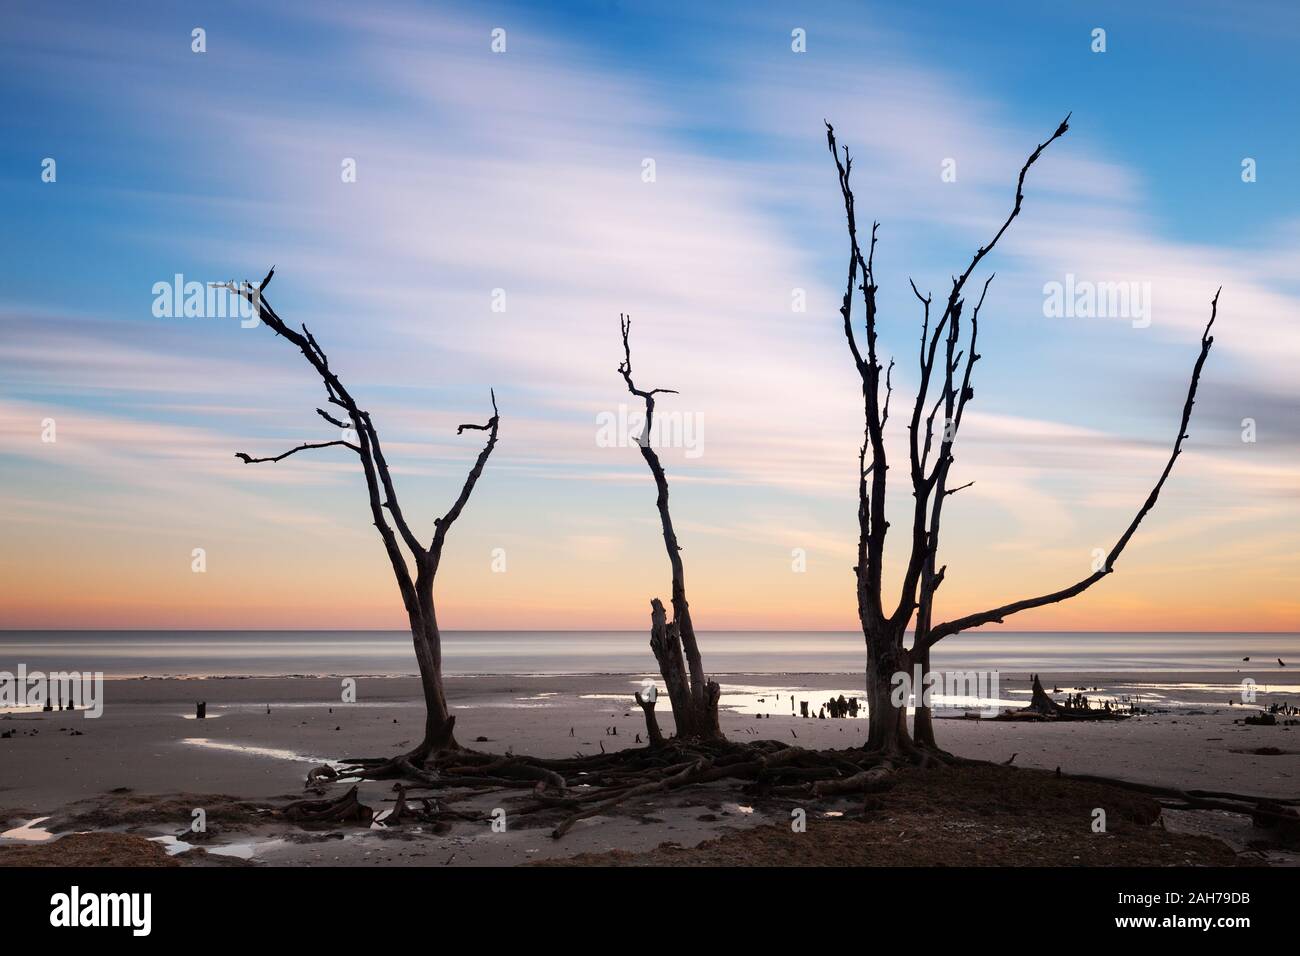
(651, 721)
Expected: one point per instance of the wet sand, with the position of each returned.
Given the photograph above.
(148, 742)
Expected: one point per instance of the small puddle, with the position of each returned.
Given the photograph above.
(755, 700)
(252, 750)
(244, 849)
(29, 832)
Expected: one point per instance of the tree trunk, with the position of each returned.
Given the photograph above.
(695, 715)
(886, 721)
(922, 720)
(386, 512)
(438, 722)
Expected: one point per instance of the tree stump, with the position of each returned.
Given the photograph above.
(1040, 703)
(655, 736)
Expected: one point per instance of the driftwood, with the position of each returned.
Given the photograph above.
(1040, 703)
(1042, 707)
(1279, 814)
(584, 786)
(867, 781)
(596, 784)
(1283, 821)
(347, 808)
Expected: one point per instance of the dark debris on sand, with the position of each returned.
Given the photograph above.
(966, 816)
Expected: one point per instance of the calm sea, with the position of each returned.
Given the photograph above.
(277, 653)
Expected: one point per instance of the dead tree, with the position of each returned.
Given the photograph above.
(945, 366)
(385, 511)
(571, 789)
(693, 696)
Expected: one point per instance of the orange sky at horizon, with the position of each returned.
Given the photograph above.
(731, 587)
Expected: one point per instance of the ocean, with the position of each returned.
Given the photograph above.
(120, 654)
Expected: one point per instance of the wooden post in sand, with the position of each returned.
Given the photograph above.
(201, 710)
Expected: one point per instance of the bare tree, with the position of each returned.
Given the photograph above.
(416, 588)
(884, 625)
(693, 696)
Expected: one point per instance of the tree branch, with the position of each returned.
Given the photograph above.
(998, 614)
(331, 419)
(390, 493)
(871, 505)
(372, 464)
(446, 521)
(247, 460)
(925, 537)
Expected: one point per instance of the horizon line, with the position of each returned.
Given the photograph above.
(586, 630)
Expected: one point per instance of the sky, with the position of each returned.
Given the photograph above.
(524, 174)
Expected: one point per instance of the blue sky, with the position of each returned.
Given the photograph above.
(522, 171)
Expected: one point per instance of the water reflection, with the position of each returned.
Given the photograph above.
(29, 832)
(275, 753)
(243, 849)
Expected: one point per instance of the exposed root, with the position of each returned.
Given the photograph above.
(561, 792)
(687, 775)
(572, 789)
(1281, 814)
(347, 808)
(868, 781)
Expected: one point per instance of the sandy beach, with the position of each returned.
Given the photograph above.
(147, 763)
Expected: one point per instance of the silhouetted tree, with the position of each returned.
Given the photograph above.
(416, 588)
(693, 696)
(884, 624)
